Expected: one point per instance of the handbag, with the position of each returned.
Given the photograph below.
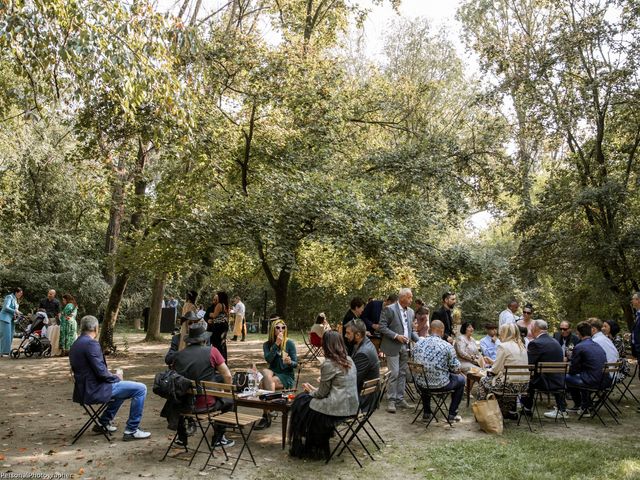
(171, 385)
(240, 380)
(488, 414)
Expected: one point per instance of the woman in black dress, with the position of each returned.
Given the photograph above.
(217, 317)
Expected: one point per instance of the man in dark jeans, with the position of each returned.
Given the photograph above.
(587, 362)
(441, 367)
(200, 362)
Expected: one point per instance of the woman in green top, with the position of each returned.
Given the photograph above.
(68, 324)
(281, 355)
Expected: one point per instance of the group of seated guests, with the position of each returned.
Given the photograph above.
(314, 412)
(587, 353)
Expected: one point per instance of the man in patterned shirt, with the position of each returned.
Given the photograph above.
(440, 367)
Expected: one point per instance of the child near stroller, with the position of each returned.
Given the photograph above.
(34, 339)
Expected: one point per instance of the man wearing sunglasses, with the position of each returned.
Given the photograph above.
(565, 337)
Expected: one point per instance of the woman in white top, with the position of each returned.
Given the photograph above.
(511, 351)
(467, 350)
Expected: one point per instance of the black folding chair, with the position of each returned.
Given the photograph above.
(624, 385)
(313, 351)
(438, 395)
(516, 375)
(544, 372)
(602, 392)
(356, 424)
(94, 412)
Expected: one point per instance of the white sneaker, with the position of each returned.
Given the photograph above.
(137, 435)
(391, 407)
(555, 413)
(403, 404)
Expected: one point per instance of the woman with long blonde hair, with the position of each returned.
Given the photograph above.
(282, 357)
(511, 351)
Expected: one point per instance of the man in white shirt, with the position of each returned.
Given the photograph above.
(240, 326)
(509, 314)
(598, 337)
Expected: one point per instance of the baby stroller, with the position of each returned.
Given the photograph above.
(34, 340)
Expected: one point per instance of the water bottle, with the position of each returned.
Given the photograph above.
(254, 379)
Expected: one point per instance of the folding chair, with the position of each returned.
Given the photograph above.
(515, 374)
(94, 412)
(200, 417)
(543, 371)
(355, 424)
(233, 419)
(382, 390)
(602, 392)
(438, 395)
(313, 351)
(624, 386)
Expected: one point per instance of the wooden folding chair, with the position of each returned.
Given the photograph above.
(438, 395)
(544, 370)
(233, 419)
(602, 393)
(624, 386)
(199, 417)
(515, 374)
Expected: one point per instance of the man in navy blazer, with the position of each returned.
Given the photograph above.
(396, 328)
(95, 384)
(543, 348)
(587, 362)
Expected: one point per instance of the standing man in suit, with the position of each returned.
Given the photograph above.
(445, 315)
(94, 383)
(372, 311)
(396, 328)
(543, 348)
(365, 357)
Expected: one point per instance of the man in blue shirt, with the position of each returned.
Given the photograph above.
(489, 344)
(587, 362)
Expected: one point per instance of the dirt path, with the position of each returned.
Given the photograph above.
(38, 420)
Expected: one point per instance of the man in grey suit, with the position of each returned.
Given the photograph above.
(396, 328)
(365, 357)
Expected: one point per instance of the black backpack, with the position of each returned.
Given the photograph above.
(171, 385)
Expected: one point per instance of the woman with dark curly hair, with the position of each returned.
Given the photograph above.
(315, 413)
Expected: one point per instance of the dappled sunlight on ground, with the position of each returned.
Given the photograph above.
(38, 420)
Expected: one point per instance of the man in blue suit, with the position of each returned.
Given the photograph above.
(94, 384)
(587, 362)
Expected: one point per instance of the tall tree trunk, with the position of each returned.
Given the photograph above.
(155, 313)
(120, 285)
(116, 213)
(281, 290)
(111, 314)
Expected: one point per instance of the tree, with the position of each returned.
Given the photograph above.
(574, 64)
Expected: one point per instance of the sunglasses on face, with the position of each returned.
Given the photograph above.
(280, 327)
(564, 329)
